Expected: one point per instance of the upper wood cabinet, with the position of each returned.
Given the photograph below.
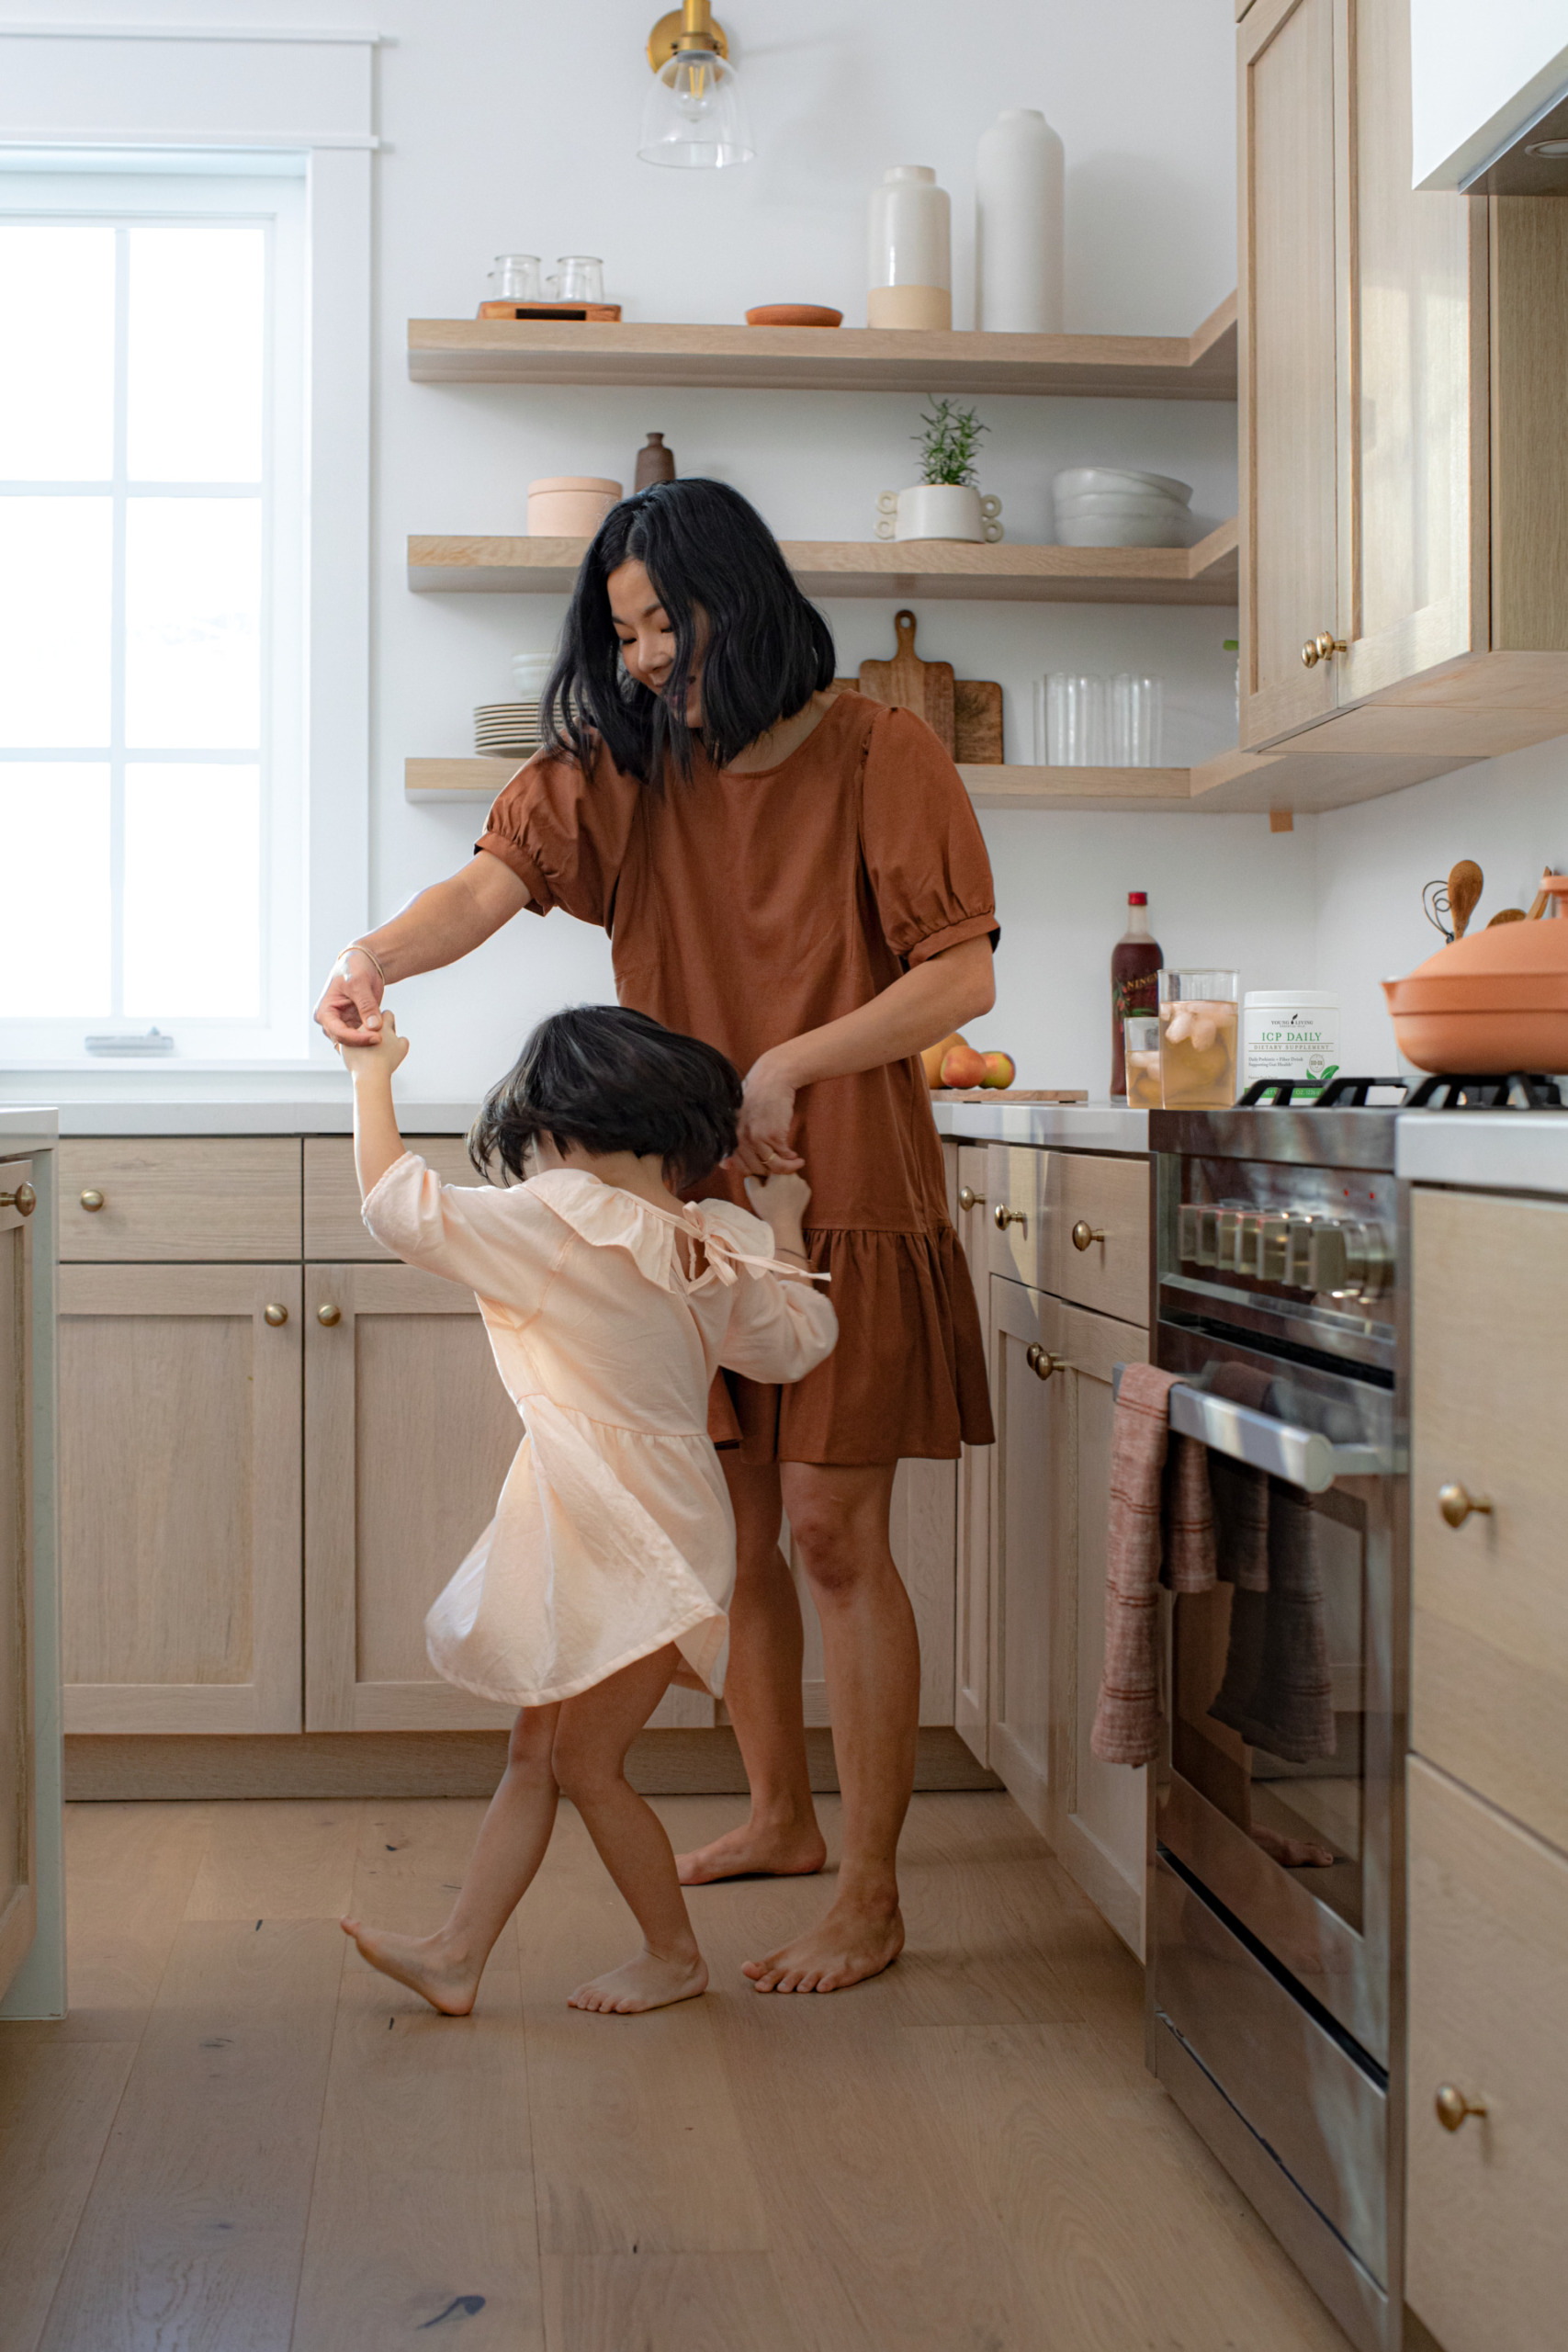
(1404, 415)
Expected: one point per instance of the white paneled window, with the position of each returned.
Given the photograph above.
(152, 861)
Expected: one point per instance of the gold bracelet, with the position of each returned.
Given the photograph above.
(357, 947)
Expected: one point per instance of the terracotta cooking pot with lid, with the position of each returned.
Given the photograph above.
(1494, 1000)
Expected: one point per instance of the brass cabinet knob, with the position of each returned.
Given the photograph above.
(329, 1314)
(1456, 1504)
(966, 1197)
(275, 1315)
(1319, 648)
(1310, 654)
(1453, 2107)
(1002, 1216)
(1041, 1362)
(23, 1200)
(92, 1200)
(1084, 1234)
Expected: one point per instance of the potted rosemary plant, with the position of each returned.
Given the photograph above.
(945, 504)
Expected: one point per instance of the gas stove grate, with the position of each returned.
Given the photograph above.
(1340, 1094)
(1514, 1090)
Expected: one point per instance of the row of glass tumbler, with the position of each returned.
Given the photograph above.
(1098, 722)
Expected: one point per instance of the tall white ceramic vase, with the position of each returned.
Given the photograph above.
(1018, 225)
(909, 261)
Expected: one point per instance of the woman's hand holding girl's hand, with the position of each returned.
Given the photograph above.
(350, 1007)
(766, 1110)
(382, 1050)
(781, 1201)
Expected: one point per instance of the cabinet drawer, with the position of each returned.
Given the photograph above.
(1015, 1188)
(1488, 1991)
(1489, 1685)
(180, 1199)
(1107, 1201)
(332, 1226)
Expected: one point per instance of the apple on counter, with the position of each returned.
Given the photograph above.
(952, 1062)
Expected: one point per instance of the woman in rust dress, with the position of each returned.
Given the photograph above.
(799, 879)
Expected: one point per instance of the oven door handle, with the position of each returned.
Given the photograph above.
(1303, 1458)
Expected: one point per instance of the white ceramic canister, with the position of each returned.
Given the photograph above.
(1018, 225)
(1290, 1033)
(569, 506)
(938, 510)
(909, 253)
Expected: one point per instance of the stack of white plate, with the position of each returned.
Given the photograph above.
(505, 730)
(1110, 506)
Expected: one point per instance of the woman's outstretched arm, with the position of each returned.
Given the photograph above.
(442, 924)
(921, 1006)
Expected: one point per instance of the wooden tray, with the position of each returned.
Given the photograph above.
(1010, 1094)
(604, 313)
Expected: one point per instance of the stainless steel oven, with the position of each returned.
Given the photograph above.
(1276, 1902)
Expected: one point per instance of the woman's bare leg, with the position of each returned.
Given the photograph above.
(763, 1692)
(446, 1967)
(840, 1521)
(591, 1739)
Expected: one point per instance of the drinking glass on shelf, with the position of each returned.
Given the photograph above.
(1072, 720)
(1140, 1032)
(1137, 721)
(1197, 1039)
(514, 278)
(577, 278)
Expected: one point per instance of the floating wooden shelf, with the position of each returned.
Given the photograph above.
(1237, 783)
(1199, 367)
(1205, 574)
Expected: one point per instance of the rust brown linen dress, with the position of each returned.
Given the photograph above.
(744, 910)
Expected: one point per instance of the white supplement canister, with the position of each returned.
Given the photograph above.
(1290, 1033)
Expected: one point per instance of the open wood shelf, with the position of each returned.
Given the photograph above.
(1204, 574)
(1199, 367)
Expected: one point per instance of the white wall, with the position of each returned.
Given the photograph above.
(1478, 76)
(509, 124)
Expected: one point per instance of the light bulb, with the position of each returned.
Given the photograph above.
(695, 119)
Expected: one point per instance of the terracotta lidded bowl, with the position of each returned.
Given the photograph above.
(1494, 1000)
(569, 506)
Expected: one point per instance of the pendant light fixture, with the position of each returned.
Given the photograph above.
(695, 119)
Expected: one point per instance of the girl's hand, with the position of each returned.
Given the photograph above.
(766, 1110)
(781, 1202)
(381, 1052)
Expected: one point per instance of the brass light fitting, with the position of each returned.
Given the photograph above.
(690, 26)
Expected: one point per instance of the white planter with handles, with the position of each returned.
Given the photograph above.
(938, 510)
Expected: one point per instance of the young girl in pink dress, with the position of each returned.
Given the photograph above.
(608, 1567)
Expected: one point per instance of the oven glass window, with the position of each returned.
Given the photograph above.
(1270, 1678)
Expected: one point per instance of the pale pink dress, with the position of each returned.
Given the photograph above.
(614, 1532)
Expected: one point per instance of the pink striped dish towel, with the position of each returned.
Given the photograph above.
(1160, 1512)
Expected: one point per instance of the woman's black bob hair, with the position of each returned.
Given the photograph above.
(712, 559)
(612, 1080)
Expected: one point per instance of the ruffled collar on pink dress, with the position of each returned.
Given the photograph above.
(729, 1237)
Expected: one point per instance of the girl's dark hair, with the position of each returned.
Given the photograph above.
(612, 1081)
(768, 652)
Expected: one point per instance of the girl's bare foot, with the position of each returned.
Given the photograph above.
(646, 1983)
(448, 1984)
(853, 1942)
(756, 1850)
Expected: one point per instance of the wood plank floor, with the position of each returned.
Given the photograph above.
(243, 2140)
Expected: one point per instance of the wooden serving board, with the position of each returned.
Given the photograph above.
(909, 683)
(1010, 1094)
(602, 314)
(977, 722)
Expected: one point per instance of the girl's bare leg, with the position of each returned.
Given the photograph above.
(761, 1691)
(446, 1967)
(840, 1520)
(591, 1739)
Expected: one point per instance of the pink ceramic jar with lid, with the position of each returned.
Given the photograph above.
(569, 506)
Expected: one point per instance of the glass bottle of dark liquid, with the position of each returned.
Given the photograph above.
(1135, 963)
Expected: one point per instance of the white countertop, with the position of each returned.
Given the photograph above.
(27, 1123)
(1066, 1127)
(1502, 1151)
(323, 1119)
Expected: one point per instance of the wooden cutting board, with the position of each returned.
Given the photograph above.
(977, 722)
(909, 683)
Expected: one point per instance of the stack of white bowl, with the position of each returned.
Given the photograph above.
(1112, 506)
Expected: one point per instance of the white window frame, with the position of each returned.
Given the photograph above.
(188, 99)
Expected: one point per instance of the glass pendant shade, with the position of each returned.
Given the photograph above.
(695, 119)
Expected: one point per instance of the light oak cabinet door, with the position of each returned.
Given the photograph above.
(179, 1199)
(180, 1504)
(972, 1598)
(1097, 1232)
(1489, 1688)
(1098, 1813)
(1031, 1537)
(19, 1894)
(1294, 62)
(1488, 1990)
(409, 1434)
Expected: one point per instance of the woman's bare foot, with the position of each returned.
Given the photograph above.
(419, 1962)
(854, 1941)
(646, 1983)
(756, 1850)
